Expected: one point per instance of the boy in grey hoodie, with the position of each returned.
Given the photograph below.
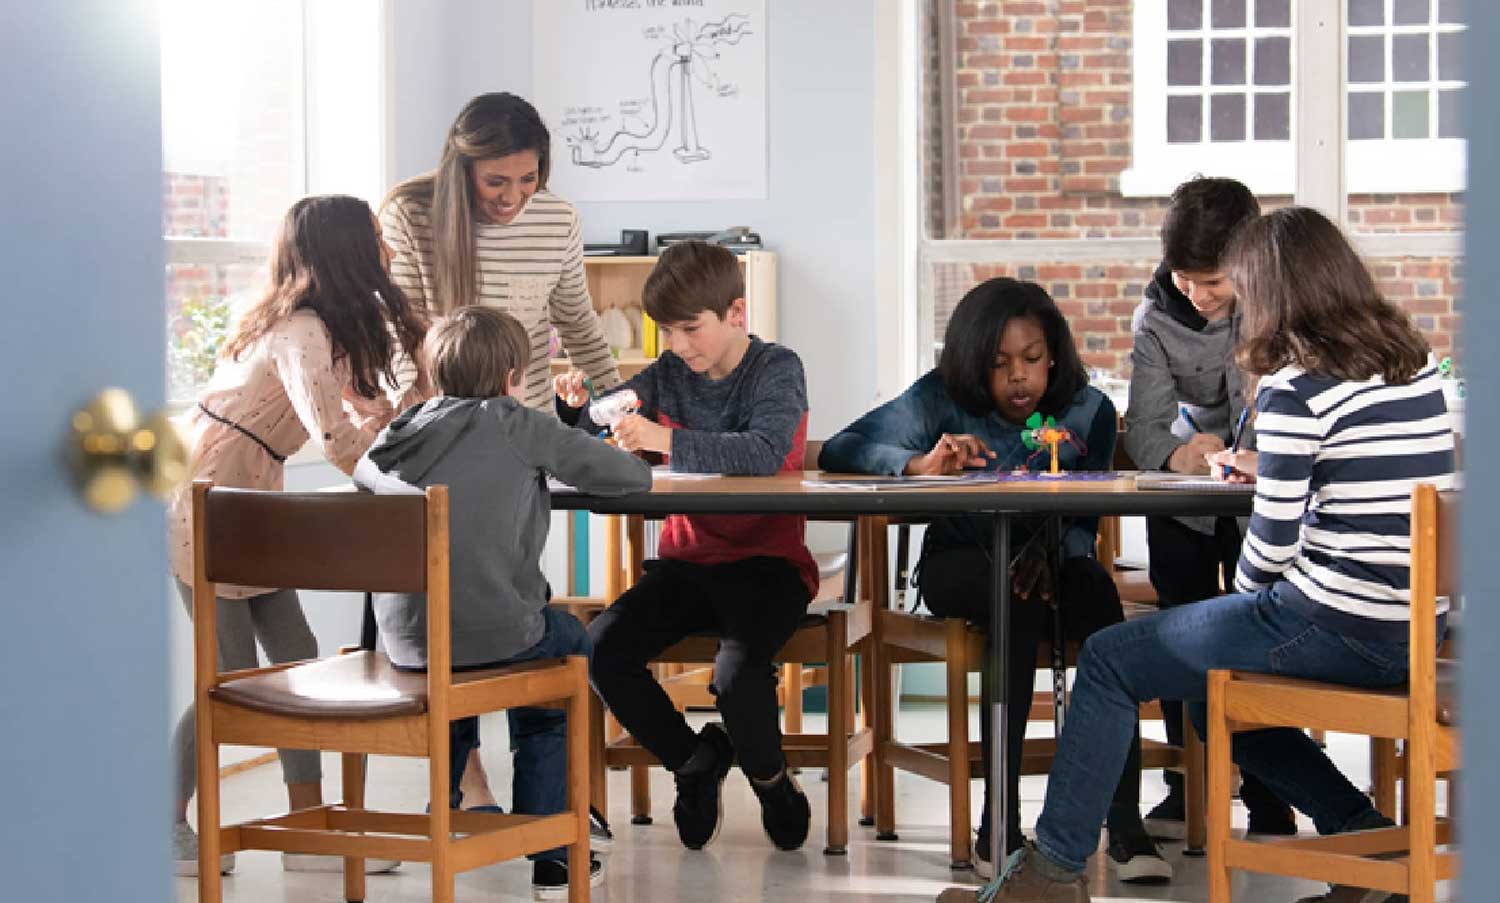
(1186, 397)
(494, 454)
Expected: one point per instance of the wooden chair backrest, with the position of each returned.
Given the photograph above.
(343, 541)
(316, 540)
(1434, 573)
(810, 456)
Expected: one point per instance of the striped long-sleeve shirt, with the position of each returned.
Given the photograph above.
(1332, 520)
(531, 268)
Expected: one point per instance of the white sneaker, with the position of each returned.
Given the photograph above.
(185, 852)
(317, 862)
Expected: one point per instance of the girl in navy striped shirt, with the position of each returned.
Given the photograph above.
(1350, 418)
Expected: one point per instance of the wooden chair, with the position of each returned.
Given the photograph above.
(1423, 714)
(358, 703)
(833, 632)
(903, 637)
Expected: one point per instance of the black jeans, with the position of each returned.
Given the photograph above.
(956, 584)
(1186, 566)
(753, 606)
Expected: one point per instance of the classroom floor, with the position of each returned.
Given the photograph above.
(648, 863)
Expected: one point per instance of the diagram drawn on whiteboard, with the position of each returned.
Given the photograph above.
(683, 73)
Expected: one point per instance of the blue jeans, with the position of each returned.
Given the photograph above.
(1168, 656)
(538, 737)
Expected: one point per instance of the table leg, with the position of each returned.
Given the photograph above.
(999, 685)
(1059, 633)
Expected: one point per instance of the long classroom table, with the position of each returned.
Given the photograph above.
(804, 493)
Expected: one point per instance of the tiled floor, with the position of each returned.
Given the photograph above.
(649, 864)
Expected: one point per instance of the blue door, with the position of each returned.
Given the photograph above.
(83, 638)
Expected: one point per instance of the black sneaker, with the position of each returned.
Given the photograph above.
(1168, 821)
(784, 811)
(1277, 822)
(982, 865)
(549, 878)
(1135, 858)
(601, 839)
(700, 783)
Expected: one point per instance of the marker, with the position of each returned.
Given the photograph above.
(1239, 431)
(1190, 421)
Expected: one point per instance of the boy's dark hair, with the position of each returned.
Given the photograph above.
(973, 336)
(1202, 217)
(473, 351)
(689, 278)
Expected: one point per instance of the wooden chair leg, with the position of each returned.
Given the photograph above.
(353, 779)
(579, 717)
(1193, 780)
(959, 817)
(1421, 815)
(210, 882)
(640, 795)
(598, 738)
(838, 736)
(869, 792)
(884, 716)
(1383, 769)
(1218, 787)
(440, 816)
(791, 682)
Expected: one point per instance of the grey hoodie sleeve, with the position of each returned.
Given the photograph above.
(574, 456)
(1152, 407)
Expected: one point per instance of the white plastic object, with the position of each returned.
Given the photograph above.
(613, 408)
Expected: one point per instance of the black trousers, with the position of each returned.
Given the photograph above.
(753, 606)
(956, 584)
(1187, 566)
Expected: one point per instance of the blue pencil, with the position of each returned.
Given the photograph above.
(1239, 431)
(1190, 421)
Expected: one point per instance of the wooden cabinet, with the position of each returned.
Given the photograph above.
(615, 285)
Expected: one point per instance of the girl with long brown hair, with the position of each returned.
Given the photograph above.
(1351, 417)
(311, 358)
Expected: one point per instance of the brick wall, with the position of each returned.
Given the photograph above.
(1043, 133)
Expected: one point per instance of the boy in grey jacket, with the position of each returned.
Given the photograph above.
(1186, 396)
(494, 454)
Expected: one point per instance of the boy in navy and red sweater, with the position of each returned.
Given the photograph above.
(718, 400)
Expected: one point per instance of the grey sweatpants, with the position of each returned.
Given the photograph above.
(277, 621)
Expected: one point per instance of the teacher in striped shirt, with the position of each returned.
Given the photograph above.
(482, 228)
(1351, 417)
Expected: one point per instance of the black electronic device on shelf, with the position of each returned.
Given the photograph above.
(633, 243)
(738, 239)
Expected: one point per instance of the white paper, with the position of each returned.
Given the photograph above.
(653, 100)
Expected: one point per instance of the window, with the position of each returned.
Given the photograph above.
(1214, 81)
(1404, 86)
(263, 101)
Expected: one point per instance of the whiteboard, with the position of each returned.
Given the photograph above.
(653, 100)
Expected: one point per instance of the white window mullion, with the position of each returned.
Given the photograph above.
(1318, 107)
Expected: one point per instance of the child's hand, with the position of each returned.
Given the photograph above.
(635, 433)
(1240, 466)
(571, 389)
(1191, 458)
(952, 453)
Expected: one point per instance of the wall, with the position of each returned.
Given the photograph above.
(819, 213)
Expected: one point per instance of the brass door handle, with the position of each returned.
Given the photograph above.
(114, 453)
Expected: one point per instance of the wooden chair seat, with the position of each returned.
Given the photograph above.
(1376, 713)
(359, 686)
